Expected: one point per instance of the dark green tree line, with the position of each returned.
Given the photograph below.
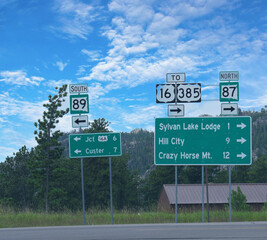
(44, 178)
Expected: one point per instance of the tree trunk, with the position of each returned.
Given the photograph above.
(46, 191)
(24, 197)
(47, 173)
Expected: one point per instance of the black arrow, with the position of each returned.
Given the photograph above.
(78, 121)
(176, 110)
(229, 109)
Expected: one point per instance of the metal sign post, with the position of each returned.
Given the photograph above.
(106, 144)
(229, 91)
(110, 187)
(83, 191)
(79, 104)
(176, 191)
(230, 195)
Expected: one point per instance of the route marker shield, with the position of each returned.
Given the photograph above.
(79, 104)
(229, 91)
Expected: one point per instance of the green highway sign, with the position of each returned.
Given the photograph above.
(203, 141)
(79, 104)
(84, 145)
(229, 91)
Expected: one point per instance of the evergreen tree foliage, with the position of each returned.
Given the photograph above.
(96, 175)
(48, 150)
(240, 174)
(15, 180)
(258, 170)
(136, 181)
(239, 200)
(153, 184)
(139, 144)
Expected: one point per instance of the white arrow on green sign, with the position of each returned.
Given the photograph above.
(203, 141)
(84, 145)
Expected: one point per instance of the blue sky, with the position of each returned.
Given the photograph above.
(122, 49)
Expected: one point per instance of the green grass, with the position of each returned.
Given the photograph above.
(9, 218)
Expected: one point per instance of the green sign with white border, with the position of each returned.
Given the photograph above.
(79, 104)
(84, 145)
(229, 91)
(203, 141)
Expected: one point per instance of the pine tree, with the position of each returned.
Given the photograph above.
(48, 149)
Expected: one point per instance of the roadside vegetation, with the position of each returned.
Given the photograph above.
(10, 218)
(41, 186)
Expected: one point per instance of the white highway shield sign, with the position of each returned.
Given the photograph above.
(165, 93)
(79, 104)
(189, 92)
(178, 93)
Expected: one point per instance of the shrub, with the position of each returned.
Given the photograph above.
(239, 200)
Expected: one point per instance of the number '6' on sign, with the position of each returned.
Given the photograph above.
(79, 104)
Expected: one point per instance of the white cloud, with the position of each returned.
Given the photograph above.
(136, 11)
(61, 66)
(19, 77)
(191, 9)
(145, 50)
(65, 124)
(75, 18)
(27, 111)
(254, 102)
(58, 83)
(212, 108)
(82, 69)
(17, 138)
(143, 115)
(6, 151)
(93, 55)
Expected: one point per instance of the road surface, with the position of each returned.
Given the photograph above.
(217, 231)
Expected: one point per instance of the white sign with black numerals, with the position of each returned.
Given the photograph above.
(79, 104)
(165, 93)
(189, 92)
(229, 91)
